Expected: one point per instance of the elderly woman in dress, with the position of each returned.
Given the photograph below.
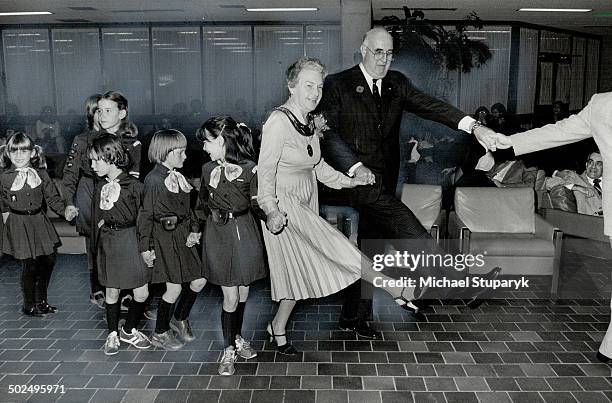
(308, 258)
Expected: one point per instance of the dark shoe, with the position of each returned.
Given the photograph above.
(44, 307)
(483, 293)
(603, 358)
(287, 348)
(166, 341)
(361, 327)
(411, 305)
(33, 312)
(97, 298)
(182, 329)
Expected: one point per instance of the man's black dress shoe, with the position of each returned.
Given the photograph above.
(33, 311)
(44, 307)
(603, 358)
(483, 293)
(360, 327)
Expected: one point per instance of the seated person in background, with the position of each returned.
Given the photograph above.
(501, 121)
(586, 186)
(48, 134)
(482, 115)
(512, 174)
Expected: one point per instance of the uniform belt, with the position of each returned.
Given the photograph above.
(119, 226)
(228, 213)
(26, 212)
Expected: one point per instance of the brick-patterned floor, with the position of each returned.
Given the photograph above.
(526, 347)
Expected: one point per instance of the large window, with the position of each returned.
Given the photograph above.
(127, 66)
(488, 84)
(177, 73)
(527, 70)
(76, 62)
(228, 72)
(577, 75)
(27, 60)
(275, 49)
(592, 69)
(323, 42)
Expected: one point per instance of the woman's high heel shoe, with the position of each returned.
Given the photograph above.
(407, 305)
(287, 348)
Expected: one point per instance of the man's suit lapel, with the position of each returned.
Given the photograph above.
(362, 90)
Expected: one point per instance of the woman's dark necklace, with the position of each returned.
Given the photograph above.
(306, 130)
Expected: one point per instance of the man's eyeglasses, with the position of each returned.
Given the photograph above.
(380, 54)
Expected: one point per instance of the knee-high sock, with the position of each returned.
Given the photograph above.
(228, 324)
(134, 315)
(28, 282)
(183, 308)
(164, 312)
(352, 298)
(240, 317)
(112, 316)
(45, 266)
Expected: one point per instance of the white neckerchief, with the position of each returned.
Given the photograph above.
(175, 181)
(26, 175)
(109, 194)
(232, 171)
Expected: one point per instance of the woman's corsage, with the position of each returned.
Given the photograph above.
(318, 124)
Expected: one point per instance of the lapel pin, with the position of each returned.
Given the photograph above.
(359, 89)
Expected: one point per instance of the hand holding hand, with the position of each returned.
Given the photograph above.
(364, 176)
(193, 239)
(71, 212)
(491, 139)
(148, 257)
(276, 221)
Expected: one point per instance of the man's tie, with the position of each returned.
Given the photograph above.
(597, 186)
(376, 93)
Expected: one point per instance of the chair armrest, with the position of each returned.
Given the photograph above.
(544, 229)
(581, 225)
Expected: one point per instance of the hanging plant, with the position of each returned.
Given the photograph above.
(452, 48)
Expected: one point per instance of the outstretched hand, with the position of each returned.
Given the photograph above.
(491, 139)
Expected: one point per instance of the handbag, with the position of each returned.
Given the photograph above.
(169, 222)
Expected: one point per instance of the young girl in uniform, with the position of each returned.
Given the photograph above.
(232, 247)
(78, 181)
(28, 235)
(117, 198)
(168, 230)
(113, 119)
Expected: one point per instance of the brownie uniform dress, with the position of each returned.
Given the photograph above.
(232, 251)
(78, 177)
(28, 233)
(164, 223)
(115, 212)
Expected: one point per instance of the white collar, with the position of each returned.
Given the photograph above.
(591, 180)
(370, 80)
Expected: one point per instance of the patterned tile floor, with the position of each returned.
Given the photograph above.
(524, 348)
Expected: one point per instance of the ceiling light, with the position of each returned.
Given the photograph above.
(26, 13)
(557, 10)
(283, 9)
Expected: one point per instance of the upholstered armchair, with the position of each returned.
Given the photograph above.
(502, 224)
(425, 201)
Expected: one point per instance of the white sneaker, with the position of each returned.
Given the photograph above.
(244, 349)
(111, 347)
(226, 366)
(135, 338)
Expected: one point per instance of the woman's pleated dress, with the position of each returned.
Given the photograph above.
(309, 258)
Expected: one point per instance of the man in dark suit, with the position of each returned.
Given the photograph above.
(363, 107)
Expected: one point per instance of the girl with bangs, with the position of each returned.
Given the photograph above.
(168, 230)
(232, 250)
(28, 235)
(117, 198)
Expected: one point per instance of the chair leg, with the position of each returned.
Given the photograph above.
(558, 244)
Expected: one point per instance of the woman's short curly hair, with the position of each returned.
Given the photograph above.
(302, 63)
